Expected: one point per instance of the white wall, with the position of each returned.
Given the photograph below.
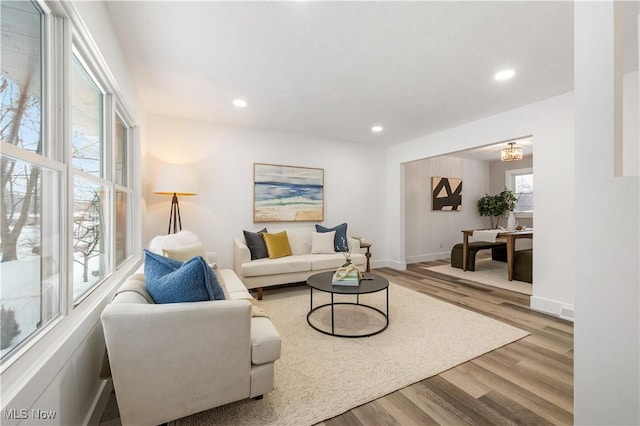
(607, 223)
(59, 371)
(631, 120)
(430, 234)
(551, 124)
(223, 158)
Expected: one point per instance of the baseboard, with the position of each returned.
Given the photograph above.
(393, 264)
(553, 307)
(428, 257)
(100, 403)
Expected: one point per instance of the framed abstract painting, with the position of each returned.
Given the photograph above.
(287, 193)
(446, 193)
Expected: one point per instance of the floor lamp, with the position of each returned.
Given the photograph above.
(175, 180)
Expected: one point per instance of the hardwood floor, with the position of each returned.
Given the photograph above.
(526, 382)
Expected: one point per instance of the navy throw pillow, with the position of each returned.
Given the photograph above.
(256, 244)
(171, 281)
(340, 241)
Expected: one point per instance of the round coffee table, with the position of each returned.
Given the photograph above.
(371, 283)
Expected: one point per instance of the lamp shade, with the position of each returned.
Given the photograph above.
(176, 179)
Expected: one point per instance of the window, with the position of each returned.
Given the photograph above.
(21, 74)
(86, 116)
(123, 222)
(520, 181)
(121, 151)
(67, 199)
(123, 193)
(91, 192)
(30, 185)
(90, 258)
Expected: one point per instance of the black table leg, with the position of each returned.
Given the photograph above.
(387, 305)
(332, 330)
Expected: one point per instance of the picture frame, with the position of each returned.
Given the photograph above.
(287, 193)
(446, 193)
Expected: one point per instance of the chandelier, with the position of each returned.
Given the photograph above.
(512, 153)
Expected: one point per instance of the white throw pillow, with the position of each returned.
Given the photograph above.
(173, 241)
(185, 253)
(323, 242)
(299, 240)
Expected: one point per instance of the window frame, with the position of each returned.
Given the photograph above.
(104, 107)
(63, 35)
(510, 179)
(103, 180)
(50, 158)
(120, 114)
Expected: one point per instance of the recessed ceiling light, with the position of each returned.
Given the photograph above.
(239, 103)
(376, 129)
(504, 75)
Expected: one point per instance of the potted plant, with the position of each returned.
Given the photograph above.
(495, 206)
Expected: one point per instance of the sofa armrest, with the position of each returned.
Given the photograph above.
(266, 343)
(241, 254)
(354, 246)
(204, 347)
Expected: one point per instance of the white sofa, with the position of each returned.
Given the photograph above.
(172, 360)
(259, 273)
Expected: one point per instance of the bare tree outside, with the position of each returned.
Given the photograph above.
(19, 118)
(524, 192)
(87, 231)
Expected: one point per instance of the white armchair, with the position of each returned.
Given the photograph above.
(172, 360)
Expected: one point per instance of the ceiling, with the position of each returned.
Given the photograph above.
(335, 69)
(492, 152)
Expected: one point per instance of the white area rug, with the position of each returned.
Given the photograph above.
(489, 272)
(320, 376)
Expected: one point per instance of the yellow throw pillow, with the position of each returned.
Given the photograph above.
(185, 253)
(277, 244)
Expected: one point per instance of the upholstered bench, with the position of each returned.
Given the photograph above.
(498, 252)
(523, 265)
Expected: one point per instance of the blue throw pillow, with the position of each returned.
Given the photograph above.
(171, 281)
(340, 241)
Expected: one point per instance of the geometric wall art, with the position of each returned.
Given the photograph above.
(287, 193)
(446, 193)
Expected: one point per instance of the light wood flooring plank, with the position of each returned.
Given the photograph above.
(404, 410)
(522, 396)
(433, 405)
(548, 388)
(465, 382)
(513, 411)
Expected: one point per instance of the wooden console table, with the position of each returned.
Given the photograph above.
(509, 236)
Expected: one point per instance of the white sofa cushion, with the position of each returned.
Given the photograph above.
(299, 241)
(281, 265)
(322, 242)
